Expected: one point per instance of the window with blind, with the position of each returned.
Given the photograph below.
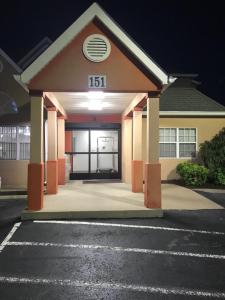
(177, 142)
(15, 143)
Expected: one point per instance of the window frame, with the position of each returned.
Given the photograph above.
(177, 142)
(18, 141)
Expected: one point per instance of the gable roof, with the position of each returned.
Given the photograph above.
(34, 53)
(183, 96)
(94, 11)
(10, 61)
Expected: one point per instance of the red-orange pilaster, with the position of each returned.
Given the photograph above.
(137, 162)
(137, 176)
(152, 188)
(35, 186)
(35, 181)
(61, 171)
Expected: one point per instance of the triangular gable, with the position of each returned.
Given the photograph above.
(70, 69)
(94, 11)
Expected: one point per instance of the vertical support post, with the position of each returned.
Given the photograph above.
(52, 163)
(36, 165)
(126, 148)
(152, 187)
(61, 151)
(137, 162)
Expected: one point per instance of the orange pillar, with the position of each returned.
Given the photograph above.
(137, 162)
(36, 165)
(61, 151)
(52, 163)
(152, 187)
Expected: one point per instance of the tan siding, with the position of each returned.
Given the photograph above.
(206, 129)
(14, 173)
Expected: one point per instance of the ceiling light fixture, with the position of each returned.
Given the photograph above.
(99, 95)
(95, 105)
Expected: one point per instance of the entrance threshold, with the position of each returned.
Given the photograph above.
(108, 200)
(93, 181)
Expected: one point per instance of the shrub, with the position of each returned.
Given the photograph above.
(212, 153)
(192, 174)
(218, 176)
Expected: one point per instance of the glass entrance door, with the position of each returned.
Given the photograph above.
(96, 154)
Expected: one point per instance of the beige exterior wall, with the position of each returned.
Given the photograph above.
(206, 129)
(126, 150)
(14, 173)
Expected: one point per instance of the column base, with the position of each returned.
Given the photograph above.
(152, 188)
(52, 177)
(137, 176)
(35, 186)
(61, 171)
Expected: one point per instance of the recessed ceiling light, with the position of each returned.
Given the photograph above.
(95, 105)
(99, 95)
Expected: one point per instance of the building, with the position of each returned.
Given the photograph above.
(98, 97)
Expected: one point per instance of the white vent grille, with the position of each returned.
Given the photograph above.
(96, 47)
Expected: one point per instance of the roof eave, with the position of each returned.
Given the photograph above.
(10, 61)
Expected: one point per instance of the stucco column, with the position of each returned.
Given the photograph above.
(137, 162)
(152, 187)
(36, 165)
(52, 163)
(126, 148)
(61, 151)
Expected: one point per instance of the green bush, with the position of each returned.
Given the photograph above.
(212, 154)
(192, 174)
(218, 176)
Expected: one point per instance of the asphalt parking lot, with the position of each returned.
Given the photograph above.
(181, 256)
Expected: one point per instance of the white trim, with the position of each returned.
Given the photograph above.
(9, 236)
(119, 249)
(191, 113)
(93, 11)
(115, 286)
(10, 61)
(177, 143)
(128, 226)
(18, 80)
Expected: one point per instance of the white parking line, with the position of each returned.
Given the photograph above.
(115, 286)
(131, 226)
(120, 249)
(9, 236)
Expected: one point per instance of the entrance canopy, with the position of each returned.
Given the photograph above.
(96, 72)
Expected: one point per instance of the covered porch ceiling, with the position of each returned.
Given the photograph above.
(94, 102)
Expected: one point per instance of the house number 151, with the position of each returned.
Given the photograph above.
(97, 81)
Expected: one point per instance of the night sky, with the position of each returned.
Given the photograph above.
(181, 36)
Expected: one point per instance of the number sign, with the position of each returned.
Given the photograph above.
(97, 81)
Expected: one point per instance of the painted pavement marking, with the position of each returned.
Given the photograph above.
(114, 286)
(119, 249)
(132, 226)
(9, 236)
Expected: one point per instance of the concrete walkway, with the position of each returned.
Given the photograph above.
(114, 200)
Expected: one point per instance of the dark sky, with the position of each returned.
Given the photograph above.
(182, 36)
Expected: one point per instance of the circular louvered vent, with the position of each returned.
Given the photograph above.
(96, 47)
